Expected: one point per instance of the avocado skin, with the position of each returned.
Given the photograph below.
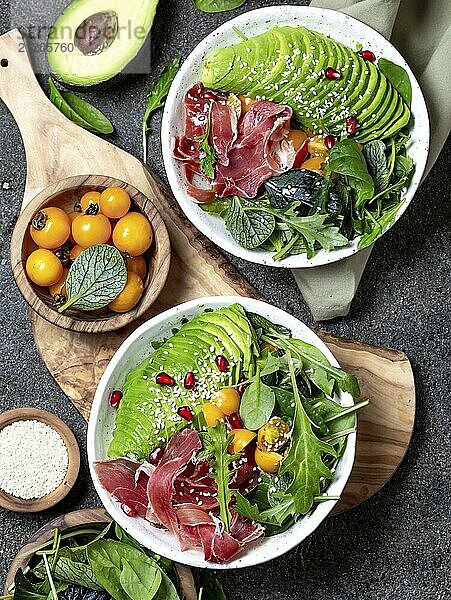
(146, 406)
(296, 77)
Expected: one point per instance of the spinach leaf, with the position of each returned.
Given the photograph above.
(284, 401)
(79, 111)
(398, 77)
(211, 588)
(217, 207)
(300, 185)
(95, 278)
(257, 403)
(216, 443)
(139, 579)
(157, 97)
(346, 159)
(249, 226)
(376, 161)
(215, 6)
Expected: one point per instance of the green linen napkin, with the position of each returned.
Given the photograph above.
(421, 31)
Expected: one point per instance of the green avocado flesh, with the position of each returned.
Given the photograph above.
(287, 65)
(94, 40)
(147, 415)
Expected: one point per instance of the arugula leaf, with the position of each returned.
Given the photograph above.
(207, 152)
(249, 225)
(376, 161)
(156, 98)
(216, 443)
(257, 403)
(79, 111)
(398, 77)
(346, 159)
(380, 225)
(215, 6)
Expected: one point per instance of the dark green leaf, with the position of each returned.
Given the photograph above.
(300, 185)
(79, 111)
(398, 77)
(284, 401)
(215, 6)
(382, 222)
(95, 278)
(218, 207)
(249, 226)
(139, 579)
(376, 161)
(72, 571)
(346, 159)
(257, 404)
(211, 587)
(24, 590)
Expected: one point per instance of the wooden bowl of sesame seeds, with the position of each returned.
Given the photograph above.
(46, 433)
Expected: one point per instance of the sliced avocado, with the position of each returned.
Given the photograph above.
(95, 40)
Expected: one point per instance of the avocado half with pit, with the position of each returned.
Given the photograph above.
(92, 41)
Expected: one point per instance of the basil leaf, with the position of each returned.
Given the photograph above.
(257, 404)
(215, 6)
(345, 158)
(398, 77)
(376, 161)
(300, 185)
(95, 278)
(249, 226)
(79, 111)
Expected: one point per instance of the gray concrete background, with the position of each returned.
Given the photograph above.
(396, 545)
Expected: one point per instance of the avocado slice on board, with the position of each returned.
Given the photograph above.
(92, 41)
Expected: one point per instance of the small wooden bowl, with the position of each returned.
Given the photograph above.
(66, 524)
(64, 194)
(36, 505)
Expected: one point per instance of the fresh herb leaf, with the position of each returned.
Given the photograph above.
(249, 226)
(299, 185)
(376, 161)
(95, 278)
(384, 221)
(207, 152)
(398, 77)
(71, 571)
(346, 159)
(218, 207)
(216, 443)
(257, 403)
(79, 111)
(215, 6)
(156, 98)
(24, 590)
(139, 579)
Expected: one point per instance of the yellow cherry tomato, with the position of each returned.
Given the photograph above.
(50, 228)
(246, 103)
(133, 234)
(273, 435)
(73, 215)
(268, 461)
(76, 251)
(227, 399)
(297, 137)
(60, 286)
(88, 230)
(43, 267)
(138, 265)
(114, 202)
(314, 164)
(212, 414)
(317, 147)
(130, 295)
(241, 438)
(90, 199)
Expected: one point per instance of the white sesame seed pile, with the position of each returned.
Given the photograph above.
(33, 459)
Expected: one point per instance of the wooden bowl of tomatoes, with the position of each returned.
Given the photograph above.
(90, 253)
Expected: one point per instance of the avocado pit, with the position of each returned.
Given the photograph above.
(96, 33)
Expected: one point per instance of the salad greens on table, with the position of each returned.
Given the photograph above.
(91, 563)
(228, 431)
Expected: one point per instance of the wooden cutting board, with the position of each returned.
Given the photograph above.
(56, 148)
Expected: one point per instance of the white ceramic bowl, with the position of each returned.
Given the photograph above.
(339, 26)
(101, 423)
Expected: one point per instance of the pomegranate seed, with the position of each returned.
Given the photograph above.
(368, 55)
(330, 141)
(240, 389)
(351, 125)
(190, 381)
(234, 421)
(164, 379)
(186, 413)
(332, 74)
(156, 455)
(128, 510)
(115, 398)
(222, 363)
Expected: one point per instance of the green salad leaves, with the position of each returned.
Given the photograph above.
(215, 6)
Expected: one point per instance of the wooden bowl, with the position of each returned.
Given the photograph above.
(36, 505)
(74, 520)
(64, 194)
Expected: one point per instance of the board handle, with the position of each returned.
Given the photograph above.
(40, 123)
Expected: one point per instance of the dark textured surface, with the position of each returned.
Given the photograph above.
(395, 546)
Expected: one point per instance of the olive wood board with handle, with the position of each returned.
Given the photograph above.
(77, 360)
(70, 522)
